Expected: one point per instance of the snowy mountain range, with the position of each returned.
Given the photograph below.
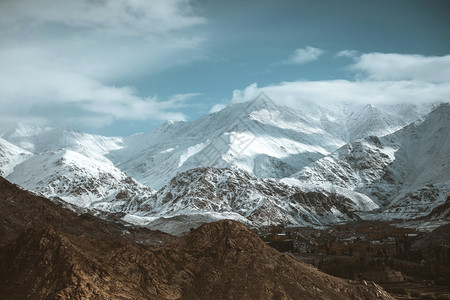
(407, 171)
(256, 162)
(258, 136)
(218, 193)
(63, 163)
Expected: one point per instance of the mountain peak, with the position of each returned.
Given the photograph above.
(261, 102)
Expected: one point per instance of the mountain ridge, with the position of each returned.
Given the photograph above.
(239, 195)
(399, 170)
(253, 141)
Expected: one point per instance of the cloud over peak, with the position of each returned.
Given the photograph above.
(304, 55)
(394, 66)
(381, 78)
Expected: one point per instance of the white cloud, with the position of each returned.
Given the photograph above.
(114, 17)
(249, 93)
(304, 55)
(347, 53)
(105, 40)
(63, 57)
(31, 81)
(392, 66)
(329, 91)
(216, 108)
(381, 79)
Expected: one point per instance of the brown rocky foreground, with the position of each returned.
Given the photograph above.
(52, 253)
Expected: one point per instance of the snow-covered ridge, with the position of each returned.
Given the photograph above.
(258, 136)
(79, 180)
(239, 195)
(352, 166)
(38, 140)
(10, 156)
(407, 171)
(255, 162)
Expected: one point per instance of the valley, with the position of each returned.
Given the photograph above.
(404, 261)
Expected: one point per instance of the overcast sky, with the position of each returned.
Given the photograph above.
(116, 67)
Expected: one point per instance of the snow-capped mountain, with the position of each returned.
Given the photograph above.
(369, 120)
(407, 171)
(255, 162)
(38, 140)
(79, 180)
(238, 195)
(352, 166)
(10, 156)
(258, 137)
(68, 164)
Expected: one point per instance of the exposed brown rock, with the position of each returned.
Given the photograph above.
(92, 260)
(20, 209)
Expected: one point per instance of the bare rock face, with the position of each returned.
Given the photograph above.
(92, 259)
(20, 210)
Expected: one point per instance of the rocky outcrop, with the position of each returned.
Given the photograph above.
(244, 197)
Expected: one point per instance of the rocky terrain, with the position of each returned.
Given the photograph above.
(236, 194)
(407, 171)
(21, 210)
(259, 137)
(254, 162)
(52, 253)
(79, 180)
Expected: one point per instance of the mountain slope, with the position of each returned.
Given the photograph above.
(258, 137)
(21, 210)
(60, 255)
(241, 196)
(45, 263)
(10, 156)
(38, 140)
(352, 166)
(408, 171)
(369, 120)
(240, 135)
(79, 180)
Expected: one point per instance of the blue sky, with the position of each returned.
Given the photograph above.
(117, 67)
